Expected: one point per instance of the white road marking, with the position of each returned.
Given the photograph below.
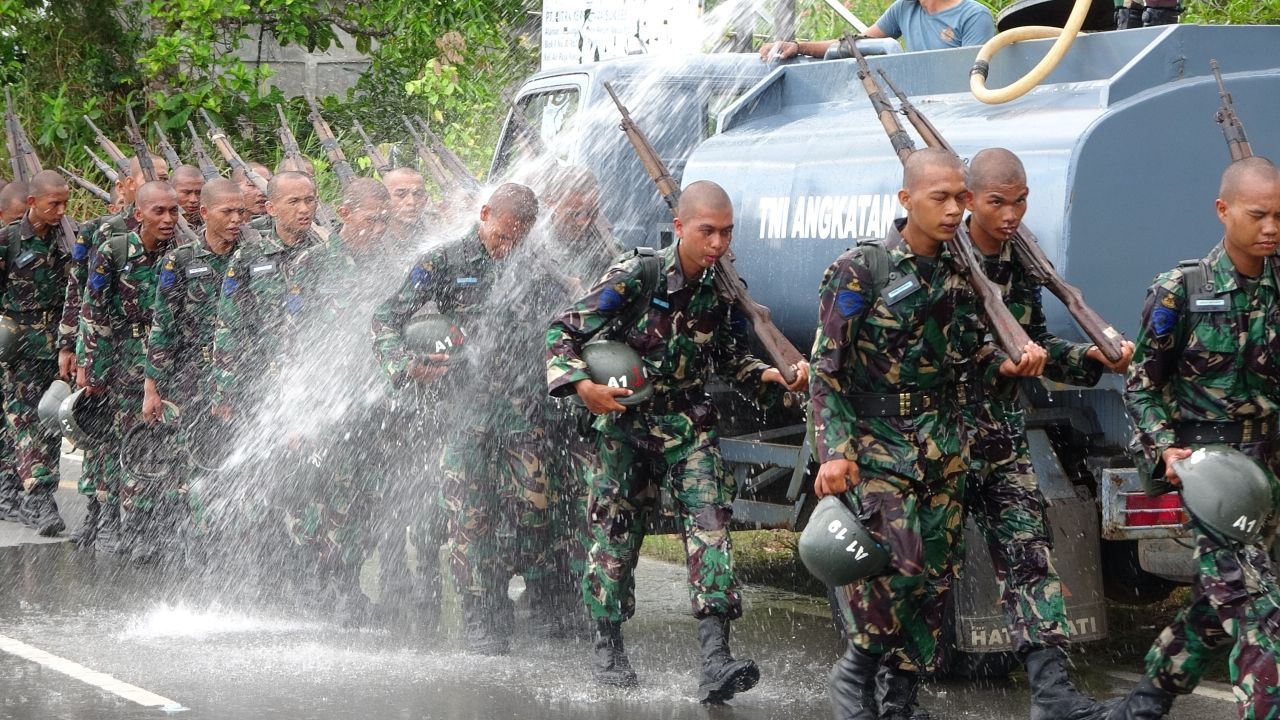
(102, 681)
(1217, 691)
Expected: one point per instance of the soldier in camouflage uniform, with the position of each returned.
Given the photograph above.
(896, 320)
(91, 233)
(188, 181)
(33, 265)
(408, 191)
(179, 348)
(1207, 370)
(492, 469)
(1001, 492)
(254, 198)
(118, 299)
(13, 202)
(682, 328)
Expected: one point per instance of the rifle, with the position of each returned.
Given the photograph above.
(111, 149)
(1232, 129)
(205, 163)
(430, 162)
(781, 352)
(166, 150)
(149, 169)
(1027, 249)
(287, 141)
(229, 153)
(375, 155)
(1007, 330)
(102, 165)
(94, 190)
(337, 159)
(448, 158)
(26, 163)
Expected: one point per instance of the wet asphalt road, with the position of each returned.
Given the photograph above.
(229, 659)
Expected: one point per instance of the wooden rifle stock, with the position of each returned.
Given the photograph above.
(111, 149)
(337, 160)
(149, 170)
(448, 158)
(781, 352)
(287, 140)
(169, 154)
(902, 143)
(1027, 249)
(1232, 128)
(371, 151)
(92, 189)
(11, 138)
(103, 166)
(219, 140)
(430, 162)
(201, 153)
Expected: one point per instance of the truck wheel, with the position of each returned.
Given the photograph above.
(1124, 580)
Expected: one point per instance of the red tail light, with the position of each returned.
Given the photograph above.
(1143, 511)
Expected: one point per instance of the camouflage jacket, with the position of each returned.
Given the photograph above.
(1066, 359)
(1204, 366)
(266, 298)
(116, 317)
(917, 343)
(35, 277)
(91, 233)
(180, 344)
(687, 331)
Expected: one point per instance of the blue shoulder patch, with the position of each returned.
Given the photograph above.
(610, 300)
(168, 278)
(419, 276)
(80, 251)
(293, 304)
(229, 286)
(97, 280)
(1162, 320)
(849, 303)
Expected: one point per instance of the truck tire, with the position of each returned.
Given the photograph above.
(1124, 580)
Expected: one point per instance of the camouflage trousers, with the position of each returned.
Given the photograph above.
(911, 490)
(574, 463)
(1002, 496)
(638, 457)
(35, 452)
(498, 504)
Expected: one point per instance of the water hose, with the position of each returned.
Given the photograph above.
(1066, 35)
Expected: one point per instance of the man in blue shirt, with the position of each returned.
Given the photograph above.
(925, 24)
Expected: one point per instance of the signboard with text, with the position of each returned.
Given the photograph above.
(575, 32)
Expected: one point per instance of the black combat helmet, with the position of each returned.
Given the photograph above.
(435, 335)
(836, 547)
(615, 364)
(10, 340)
(1226, 492)
(85, 419)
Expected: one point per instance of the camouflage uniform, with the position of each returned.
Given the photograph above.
(1001, 494)
(114, 322)
(1218, 367)
(34, 271)
(912, 457)
(686, 329)
(493, 475)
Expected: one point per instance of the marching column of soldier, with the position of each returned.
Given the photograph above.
(206, 349)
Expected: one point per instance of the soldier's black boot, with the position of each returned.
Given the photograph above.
(110, 535)
(547, 615)
(41, 510)
(722, 675)
(853, 686)
(610, 665)
(10, 501)
(1144, 702)
(84, 536)
(481, 635)
(1053, 697)
(896, 691)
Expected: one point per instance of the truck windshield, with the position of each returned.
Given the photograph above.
(550, 115)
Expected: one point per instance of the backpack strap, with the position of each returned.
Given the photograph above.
(120, 248)
(650, 278)
(876, 257)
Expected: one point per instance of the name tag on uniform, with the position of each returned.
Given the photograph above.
(198, 270)
(467, 281)
(26, 258)
(659, 302)
(904, 287)
(1207, 305)
(266, 268)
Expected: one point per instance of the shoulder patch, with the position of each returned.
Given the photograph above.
(611, 297)
(81, 249)
(1163, 319)
(168, 277)
(230, 284)
(98, 279)
(420, 276)
(850, 302)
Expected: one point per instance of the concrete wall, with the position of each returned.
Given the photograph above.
(298, 71)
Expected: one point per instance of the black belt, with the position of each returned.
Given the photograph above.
(1231, 433)
(34, 318)
(673, 401)
(893, 404)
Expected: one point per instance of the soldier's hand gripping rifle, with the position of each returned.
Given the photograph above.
(203, 161)
(337, 160)
(92, 189)
(166, 149)
(111, 149)
(103, 166)
(1232, 129)
(380, 162)
(149, 170)
(1027, 249)
(781, 352)
(26, 163)
(433, 164)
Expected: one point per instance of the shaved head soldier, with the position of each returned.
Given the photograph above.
(897, 319)
(1001, 492)
(657, 303)
(34, 262)
(1207, 370)
(300, 164)
(253, 197)
(363, 212)
(13, 202)
(409, 199)
(188, 180)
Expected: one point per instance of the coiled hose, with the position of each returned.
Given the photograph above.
(1066, 35)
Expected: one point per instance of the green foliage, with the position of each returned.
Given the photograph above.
(1233, 12)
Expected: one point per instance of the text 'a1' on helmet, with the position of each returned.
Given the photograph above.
(10, 340)
(616, 364)
(50, 404)
(836, 547)
(1226, 492)
(435, 335)
(85, 419)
